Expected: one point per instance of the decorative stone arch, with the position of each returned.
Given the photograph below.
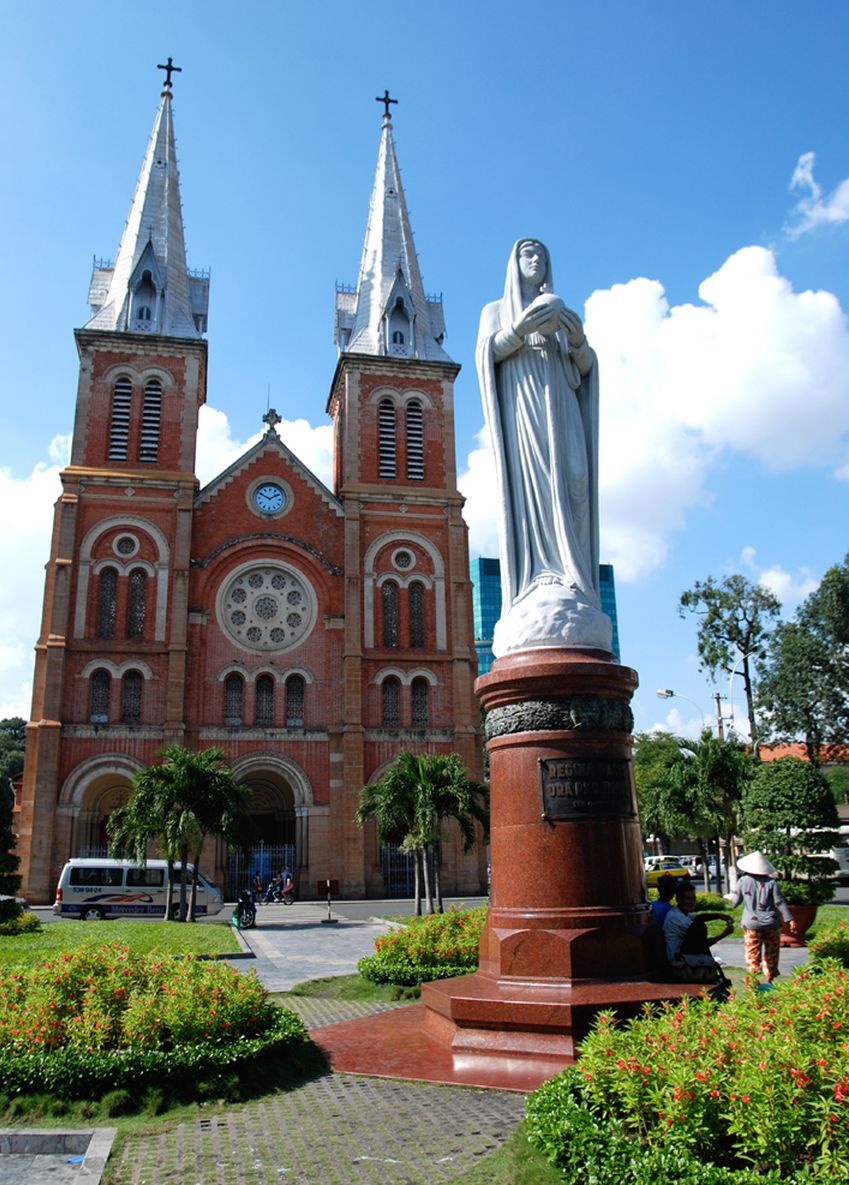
(405, 581)
(282, 768)
(138, 375)
(115, 669)
(124, 565)
(371, 580)
(235, 668)
(405, 677)
(117, 522)
(400, 399)
(89, 795)
(281, 793)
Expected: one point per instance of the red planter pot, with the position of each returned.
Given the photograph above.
(803, 916)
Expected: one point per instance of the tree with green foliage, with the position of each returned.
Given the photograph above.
(12, 745)
(789, 814)
(803, 688)
(177, 804)
(410, 803)
(735, 618)
(10, 882)
(662, 811)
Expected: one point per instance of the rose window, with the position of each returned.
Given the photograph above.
(266, 608)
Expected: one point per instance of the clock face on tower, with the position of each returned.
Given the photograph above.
(269, 498)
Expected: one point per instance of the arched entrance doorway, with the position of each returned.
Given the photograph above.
(278, 812)
(91, 793)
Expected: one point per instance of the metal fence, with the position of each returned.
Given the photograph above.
(267, 859)
(398, 868)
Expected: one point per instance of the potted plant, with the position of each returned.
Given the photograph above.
(789, 813)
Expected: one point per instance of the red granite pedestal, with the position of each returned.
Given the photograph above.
(568, 914)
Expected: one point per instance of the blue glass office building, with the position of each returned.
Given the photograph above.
(486, 601)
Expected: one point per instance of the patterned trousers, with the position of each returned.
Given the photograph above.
(762, 951)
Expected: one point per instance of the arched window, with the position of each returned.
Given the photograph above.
(151, 416)
(295, 701)
(264, 711)
(136, 603)
(107, 603)
(397, 337)
(386, 445)
(417, 621)
(99, 687)
(415, 442)
(119, 427)
(419, 691)
(144, 312)
(391, 693)
(131, 697)
(390, 613)
(234, 696)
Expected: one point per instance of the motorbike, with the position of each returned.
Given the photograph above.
(277, 893)
(244, 915)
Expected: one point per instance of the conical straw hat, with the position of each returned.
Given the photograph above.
(756, 864)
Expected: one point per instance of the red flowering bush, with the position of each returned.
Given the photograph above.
(760, 1081)
(109, 1016)
(437, 946)
(831, 943)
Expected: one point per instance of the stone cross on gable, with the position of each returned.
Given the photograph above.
(272, 419)
(385, 100)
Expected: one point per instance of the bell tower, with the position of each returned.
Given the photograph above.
(410, 660)
(111, 654)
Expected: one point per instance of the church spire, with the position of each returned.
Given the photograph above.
(149, 289)
(388, 312)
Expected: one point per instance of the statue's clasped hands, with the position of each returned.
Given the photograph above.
(547, 314)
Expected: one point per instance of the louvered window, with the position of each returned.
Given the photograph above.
(151, 417)
(107, 603)
(415, 442)
(295, 701)
(390, 613)
(264, 714)
(419, 696)
(417, 624)
(391, 691)
(98, 692)
(119, 428)
(136, 603)
(234, 695)
(131, 697)
(386, 451)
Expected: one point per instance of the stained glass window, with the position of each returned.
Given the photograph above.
(234, 695)
(417, 623)
(295, 701)
(265, 700)
(107, 602)
(419, 691)
(98, 688)
(131, 697)
(390, 613)
(391, 690)
(136, 603)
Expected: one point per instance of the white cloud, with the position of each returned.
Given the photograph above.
(217, 448)
(756, 369)
(813, 210)
(790, 588)
(26, 516)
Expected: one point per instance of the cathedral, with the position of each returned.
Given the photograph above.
(312, 633)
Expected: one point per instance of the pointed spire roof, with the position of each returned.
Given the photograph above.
(149, 289)
(389, 313)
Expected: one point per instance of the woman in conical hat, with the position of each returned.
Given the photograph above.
(764, 907)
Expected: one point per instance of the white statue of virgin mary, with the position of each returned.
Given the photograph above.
(539, 387)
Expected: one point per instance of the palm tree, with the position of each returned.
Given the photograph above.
(412, 800)
(178, 803)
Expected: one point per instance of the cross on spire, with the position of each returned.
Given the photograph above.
(170, 69)
(272, 419)
(384, 99)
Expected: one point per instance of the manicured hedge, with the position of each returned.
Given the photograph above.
(100, 1018)
(437, 946)
(756, 1088)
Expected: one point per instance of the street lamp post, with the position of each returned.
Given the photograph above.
(668, 693)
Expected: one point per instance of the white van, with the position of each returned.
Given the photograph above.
(95, 888)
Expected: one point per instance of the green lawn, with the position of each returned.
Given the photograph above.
(210, 938)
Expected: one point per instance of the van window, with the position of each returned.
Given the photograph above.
(146, 877)
(96, 876)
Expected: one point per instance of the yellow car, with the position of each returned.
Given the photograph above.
(658, 866)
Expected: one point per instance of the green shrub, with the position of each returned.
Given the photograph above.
(831, 943)
(437, 946)
(711, 902)
(24, 923)
(104, 1018)
(759, 1084)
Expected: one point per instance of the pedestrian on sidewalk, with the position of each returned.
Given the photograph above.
(763, 909)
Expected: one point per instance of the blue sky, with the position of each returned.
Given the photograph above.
(686, 164)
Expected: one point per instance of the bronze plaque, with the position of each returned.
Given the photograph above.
(585, 788)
